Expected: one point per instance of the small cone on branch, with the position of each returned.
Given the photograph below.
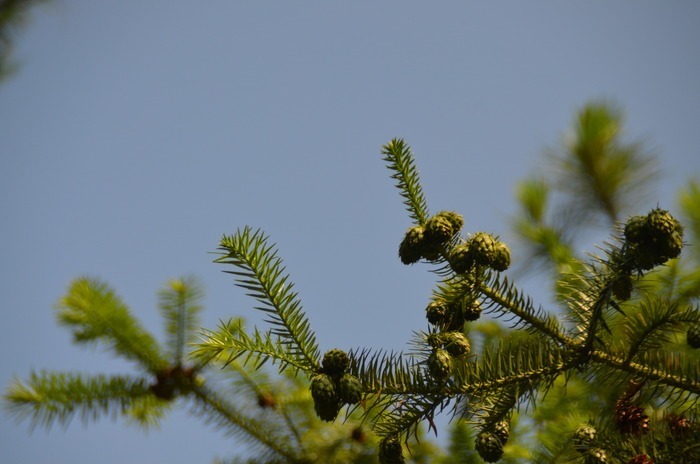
(472, 310)
(326, 403)
(483, 248)
(583, 437)
(501, 259)
(456, 343)
(679, 426)
(440, 364)
(390, 451)
(489, 446)
(349, 389)
(437, 312)
(438, 230)
(461, 259)
(597, 456)
(630, 419)
(335, 362)
(411, 248)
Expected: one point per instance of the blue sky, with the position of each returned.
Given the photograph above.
(136, 133)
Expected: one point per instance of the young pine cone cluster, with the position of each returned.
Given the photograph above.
(652, 239)
(482, 249)
(427, 241)
(584, 439)
(446, 346)
(334, 386)
(435, 239)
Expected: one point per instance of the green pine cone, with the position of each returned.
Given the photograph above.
(597, 456)
(439, 364)
(636, 230)
(670, 247)
(502, 431)
(622, 287)
(437, 312)
(438, 230)
(456, 220)
(583, 437)
(693, 336)
(327, 411)
(655, 240)
(501, 259)
(435, 340)
(461, 259)
(456, 343)
(326, 402)
(411, 248)
(483, 248)
(349, 389)
(660, 223)
(471, 310)
(390, 451)
(323, 388)
(432, 251)
(335, 362)
(489, 446)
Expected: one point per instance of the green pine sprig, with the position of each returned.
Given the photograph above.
(179, 302)
(261, 273)
(96, 314)
(50, 397)
(399, 159)
(231, 342)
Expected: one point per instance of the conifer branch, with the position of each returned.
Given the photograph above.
(262, 434)
(230, 342)
(688, 381)
(598, 171)
(261, 274)
(179, 304)
(521, 362)
(655, 323)
(506, 298)
(96, 314)
(50, 397)
(399, 159)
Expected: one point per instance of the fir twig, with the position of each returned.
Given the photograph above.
(231, 342)
(50, 397)
(179, 304)
(259, 433)
(261, 274)
(399, 159)
(96, 314)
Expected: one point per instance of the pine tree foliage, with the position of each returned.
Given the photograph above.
(598, 171)
(43, 398)
(261, 273)
(400, 161)
(274, 416)
(596, 337)
(607, 371)
(96, 314)
(178, 302)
